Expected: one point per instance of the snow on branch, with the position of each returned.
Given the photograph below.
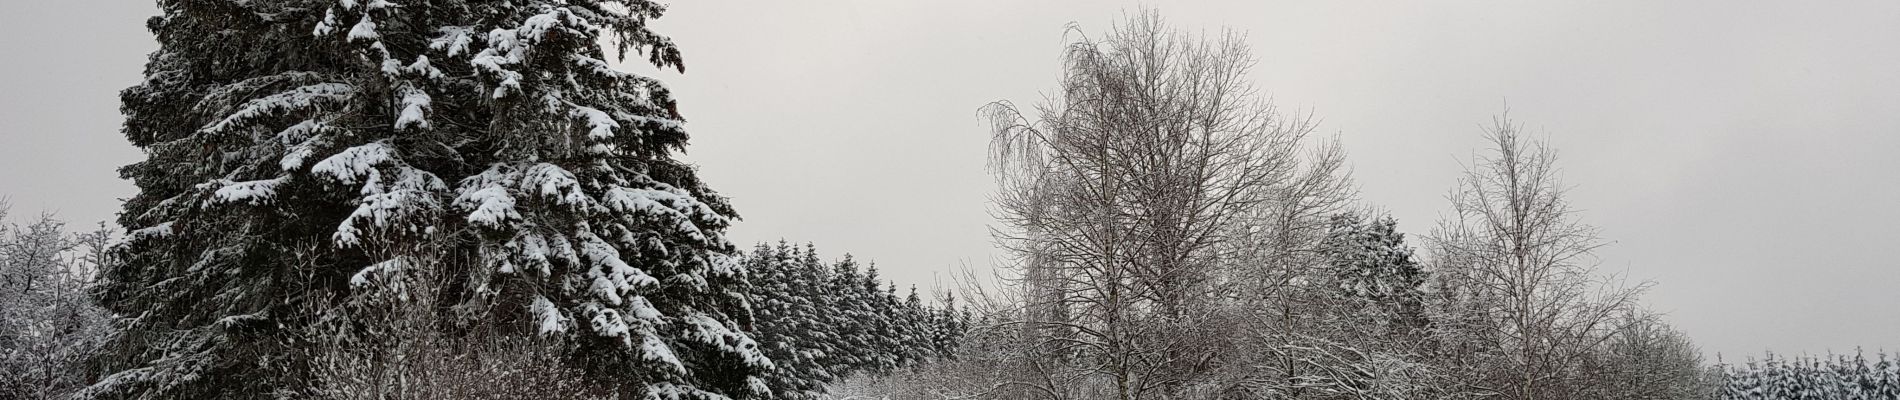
(249, 192)
(297, 99)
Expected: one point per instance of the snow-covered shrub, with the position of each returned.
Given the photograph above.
(384, 341)
(47, 323)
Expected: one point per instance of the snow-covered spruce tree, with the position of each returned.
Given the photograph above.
(823, 324)
(787, 306)
(293, 145)
(1809, 377)
(1374, 269)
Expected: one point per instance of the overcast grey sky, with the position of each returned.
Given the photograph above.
(1740, 154)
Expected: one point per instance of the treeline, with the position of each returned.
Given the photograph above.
(823, 322)
(346, 199)
(819, 322)
(1174, 236)
(1832, 377)
(365, 200)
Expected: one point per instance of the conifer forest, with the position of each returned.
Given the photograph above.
(492, 199)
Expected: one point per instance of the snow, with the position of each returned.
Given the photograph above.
(328, 25)
(364, 30)
(552, 181)
(559, 247)
(600, 125)
(415, 108)
(423, 67)
(453, 40)
(494, 207)
(612, 279)
(301, 141)
(511, 46)
(391, 67)
(706, 329)
(663, 123)
(303, 97)
(606, 321)
(363, 276)
(251, 192)
(354, 163)
(643, 309)
(162, 230)
(602, 68)
(533, 248)
(405, 193)
(411, 197)
(537, 27)
(679, 208)
(503, 48)
(725, 265)
(300, 132)
(670, 391)
(551, 320)
(233, 320)
(757, 385)
(121, 383)
(653, 349)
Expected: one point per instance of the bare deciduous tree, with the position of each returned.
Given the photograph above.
(1127, 198)
(1646, 359)
(47, 324)
(1517, 248)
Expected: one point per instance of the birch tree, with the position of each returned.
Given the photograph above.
(1125, 197)
(1515, 245)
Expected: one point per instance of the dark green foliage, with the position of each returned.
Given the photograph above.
(1834, 377)
(297, 148)
(1374, 269)
(821, 323)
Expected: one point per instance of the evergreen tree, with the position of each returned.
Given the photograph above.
(1373, 267)
(299, 148)
(785, 314)
(823, 323)
(1831, 377)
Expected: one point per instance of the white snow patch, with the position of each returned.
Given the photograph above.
(328, 25)
(163, 229)
(303, 97)
(677, 208)
(411, 197)
(415, 108)
(552, 321)
(613, 279)
(552, 181)
(363, 276)
(653, 349)
(600, 125)
(252, 192)
(494, 207)
(453, 40)
(705, 329)
(364, 30)
(352, 164)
